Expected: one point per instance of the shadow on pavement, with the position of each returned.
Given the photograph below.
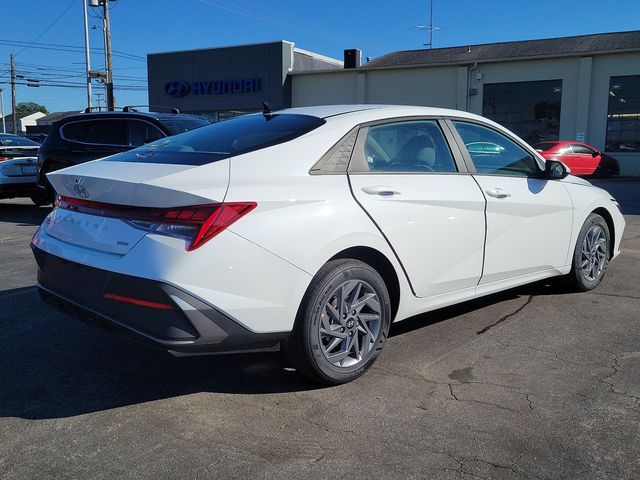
(54, 366)
(22, 214)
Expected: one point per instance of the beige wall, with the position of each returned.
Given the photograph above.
(585, 88)
(323, 89)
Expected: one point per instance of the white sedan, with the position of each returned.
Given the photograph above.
(314, 229)
(18, 159)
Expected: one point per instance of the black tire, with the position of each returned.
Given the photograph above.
(576, 279)
(42, 197)
(306, 345)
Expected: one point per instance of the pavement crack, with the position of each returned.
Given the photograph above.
(473, 400)
(615, 369)
(511, 467)
(540, 350)
(506, 317)
(451, 392)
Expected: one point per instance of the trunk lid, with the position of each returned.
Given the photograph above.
(151, 185)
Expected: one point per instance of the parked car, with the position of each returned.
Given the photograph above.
(18, 158)
(581, 158)
(315, 229)
(80, 138)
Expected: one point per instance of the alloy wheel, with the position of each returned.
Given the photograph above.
(594, 253)
(349, 324)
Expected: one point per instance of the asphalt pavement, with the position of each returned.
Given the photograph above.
(535, 382)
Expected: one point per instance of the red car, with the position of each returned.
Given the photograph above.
(581, 158)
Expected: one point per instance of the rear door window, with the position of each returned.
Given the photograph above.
(412, 146)
(97, 132)
(141, 132)
(181, 125)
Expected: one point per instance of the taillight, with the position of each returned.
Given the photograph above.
(3, 158)
(197, 224)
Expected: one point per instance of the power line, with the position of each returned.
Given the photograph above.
(139, 88)
(69, 48)
(48, 28)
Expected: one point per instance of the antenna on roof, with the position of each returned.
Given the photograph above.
(429, 27)
(266, 109)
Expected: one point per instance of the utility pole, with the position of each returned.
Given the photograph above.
(4, 125)
(13, 96)
(87, 52)
(107, 48)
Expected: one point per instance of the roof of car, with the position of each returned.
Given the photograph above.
(365, 112)
(120, 113)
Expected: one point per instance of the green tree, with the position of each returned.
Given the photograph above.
(23, 107)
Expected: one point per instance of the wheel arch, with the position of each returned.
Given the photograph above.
(382, 265)
(604, 213)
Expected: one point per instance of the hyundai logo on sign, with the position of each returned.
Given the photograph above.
(177, 89)
(214, 87)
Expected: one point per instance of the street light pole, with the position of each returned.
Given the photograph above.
(87, 52)
(107, 47)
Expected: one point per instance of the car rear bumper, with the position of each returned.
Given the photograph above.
(155, 313)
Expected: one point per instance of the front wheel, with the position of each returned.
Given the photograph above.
(591, 255)
(342, 323)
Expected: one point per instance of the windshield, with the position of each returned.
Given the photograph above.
(15, 141)
(181, 125)
(222, 140)
(544, 146)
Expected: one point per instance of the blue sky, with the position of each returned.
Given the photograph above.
(327, 27)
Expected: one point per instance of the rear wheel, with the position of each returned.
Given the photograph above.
(591, 255)
(342, 323)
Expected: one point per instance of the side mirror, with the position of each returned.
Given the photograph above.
(595, 154)
(555, 170)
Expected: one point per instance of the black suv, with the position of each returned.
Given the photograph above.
(90, 135)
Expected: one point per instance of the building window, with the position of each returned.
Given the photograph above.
(623, 115)
(529, 109)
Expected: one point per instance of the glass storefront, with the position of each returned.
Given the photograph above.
(623, 115)
(529, 109)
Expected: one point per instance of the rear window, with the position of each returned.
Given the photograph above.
(17, 142)
(544, 146)
(223, 140)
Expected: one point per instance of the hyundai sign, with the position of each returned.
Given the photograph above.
(213, 87)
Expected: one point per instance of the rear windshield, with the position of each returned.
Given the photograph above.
(222, 140)
(544, 146)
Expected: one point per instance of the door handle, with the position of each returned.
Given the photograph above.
(380, 190)
(497, 193)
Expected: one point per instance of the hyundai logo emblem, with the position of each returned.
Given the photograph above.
(177, 89)
(81, 190)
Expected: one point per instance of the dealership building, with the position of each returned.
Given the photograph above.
(583, 88)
